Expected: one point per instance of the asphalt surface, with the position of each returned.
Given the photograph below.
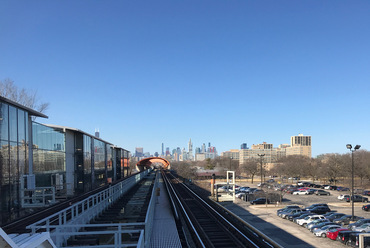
(285, 232)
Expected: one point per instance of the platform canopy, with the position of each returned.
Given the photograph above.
(149, 162)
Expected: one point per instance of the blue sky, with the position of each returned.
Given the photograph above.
(225, 72)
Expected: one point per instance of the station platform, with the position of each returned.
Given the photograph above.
(164, 233)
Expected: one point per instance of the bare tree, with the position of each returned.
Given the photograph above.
(22, 96)
(250, 167)
(362, 164)
(184, 169)
(333, 165)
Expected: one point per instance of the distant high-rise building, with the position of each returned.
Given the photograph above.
(190, 154)
(209, 144)
(264, 145)
(156, 154)
(139, 152)
(204, 148)
(162, 149)
(233, 154)
(243, 146)
(197, 150)
(300, 145)
(167, 151)
(97, 133)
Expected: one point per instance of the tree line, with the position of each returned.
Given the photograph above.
(332, 168)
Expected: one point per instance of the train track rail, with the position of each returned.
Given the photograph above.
(209, 226)
(19, 225)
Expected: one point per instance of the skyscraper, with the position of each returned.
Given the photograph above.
(139, 152)
(243, 146)
(162, 149)
(190, 145)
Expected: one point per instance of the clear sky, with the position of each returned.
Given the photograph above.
(225, 72)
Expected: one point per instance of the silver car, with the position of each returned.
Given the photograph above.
(322, 231)
(362, 228)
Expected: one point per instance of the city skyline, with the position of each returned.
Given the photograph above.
(229, 72)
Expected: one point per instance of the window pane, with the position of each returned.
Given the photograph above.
(4, 121)
(21, 127)
(13, 123)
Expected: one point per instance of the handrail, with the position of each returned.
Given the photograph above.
(82, 212)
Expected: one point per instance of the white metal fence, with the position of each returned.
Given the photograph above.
(68, 222)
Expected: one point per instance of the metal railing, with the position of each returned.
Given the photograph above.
(37, 197)
(68, 222)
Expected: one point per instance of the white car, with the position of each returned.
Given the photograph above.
(341, 197)
(308, 219)
(322, 231)
(301, 192)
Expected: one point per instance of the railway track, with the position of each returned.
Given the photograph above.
(19, 225)
(209, 225)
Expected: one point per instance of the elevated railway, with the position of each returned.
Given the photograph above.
(209, 224)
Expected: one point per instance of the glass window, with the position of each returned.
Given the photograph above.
(4, 129)
(47, 138)
(99, 162)
(21, 127)
(13, 124)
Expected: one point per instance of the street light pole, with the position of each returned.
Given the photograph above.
(261, 157)
(349, 146)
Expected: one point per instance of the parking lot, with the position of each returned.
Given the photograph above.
(285, 232)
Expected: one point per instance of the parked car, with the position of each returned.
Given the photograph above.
(322, 192)
(357, 198)
(260, 201)
(316, 222)
(240, 194)
(366, 192)
(333, 187)
(319, 210)
(343, 236)
(322, 231)
(334, 233)
(353, 240)
(316, 205)
(363, 228)
(302, 216)
(347, 219)
(342, 189)
(321, 225)
(301, 192)
(243, 188)
(334, 216)
(284, 215)
(366, 207)
(342, 197)
(358, 223)
(287, 207)
(308, 219)
(295, 214)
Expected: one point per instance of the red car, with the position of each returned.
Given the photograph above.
(333, 235)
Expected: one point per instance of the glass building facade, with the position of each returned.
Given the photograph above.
(13, 158)
(49, 155)
(36, 155)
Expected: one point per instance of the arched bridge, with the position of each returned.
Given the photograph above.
(147, 162)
